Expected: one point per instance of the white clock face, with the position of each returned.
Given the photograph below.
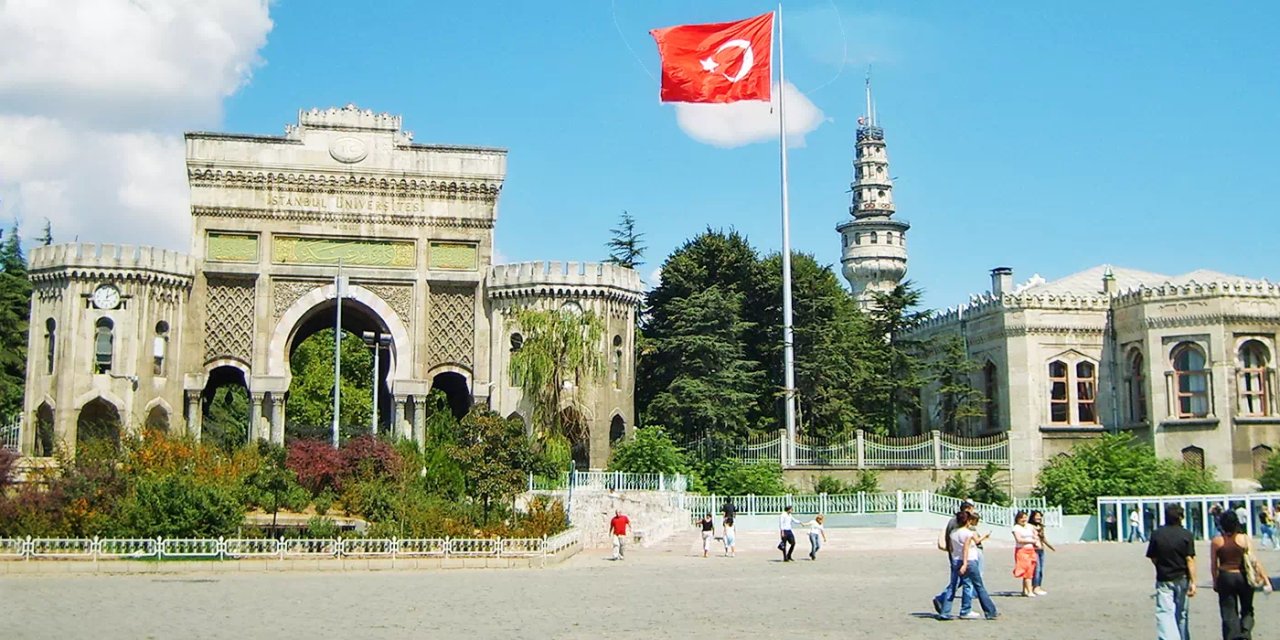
(106, 297)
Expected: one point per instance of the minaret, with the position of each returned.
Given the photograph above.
(875, 245)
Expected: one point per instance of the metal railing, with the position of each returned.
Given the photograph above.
(1115, 512)
(606, 480)
(11, 434)
(30, 548)
(866, 503)
(933, 450)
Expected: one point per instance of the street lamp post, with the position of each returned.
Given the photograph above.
(378, 342)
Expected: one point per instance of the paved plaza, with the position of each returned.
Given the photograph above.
(866, 584)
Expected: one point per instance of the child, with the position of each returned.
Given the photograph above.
(708, 531)
(816, 530)
(730, 536)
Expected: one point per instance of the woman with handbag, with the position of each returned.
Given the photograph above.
(1236, 573)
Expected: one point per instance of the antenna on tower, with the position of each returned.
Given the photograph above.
(871, 113)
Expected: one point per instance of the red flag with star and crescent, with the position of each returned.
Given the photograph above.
(722, 62)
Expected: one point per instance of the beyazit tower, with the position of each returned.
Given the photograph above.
(875, 245)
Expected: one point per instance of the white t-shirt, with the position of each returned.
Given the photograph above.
(1025, 535)
(785, 521)
(958, 538)
(815, 527)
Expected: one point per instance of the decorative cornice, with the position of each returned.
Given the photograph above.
(1193, 289)
(1169, 322)
(466, 191)
(57, 277)
(566, 292)
(343, 217)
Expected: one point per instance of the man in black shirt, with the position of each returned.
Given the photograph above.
(1172, 550)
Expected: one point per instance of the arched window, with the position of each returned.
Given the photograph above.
(1190, 381)
(875, 238)
(1261, 454)
(991, 388)
(50, 342)
(1193, 457)
(1253, 379)
(160, 347)
(1136, 385)
(103, 344)
(1059, 402)
(617, 362)
(1086, 393)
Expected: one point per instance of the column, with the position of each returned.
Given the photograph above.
(420, 420)
(195, 411)
(255, 416)
(397, 417)
(277, 418)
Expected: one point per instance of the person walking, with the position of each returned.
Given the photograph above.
(618, 528)
(1267, 523)
(1036, 520)
(1172, 550)
(708, 532)
(788, 544)
(953, 566)
(971, 572)
(1228, 554)
(730, 537)
(728, 509)
(1135, 526)
(1215, 518)
(816, 531)
(1025, 540)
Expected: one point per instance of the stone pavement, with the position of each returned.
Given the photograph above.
(866, 584)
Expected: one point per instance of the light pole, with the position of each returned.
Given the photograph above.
(378, 342)
(340, 292)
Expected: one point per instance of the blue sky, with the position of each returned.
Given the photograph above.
(1045, 138)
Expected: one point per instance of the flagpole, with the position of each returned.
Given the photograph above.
(788, 353)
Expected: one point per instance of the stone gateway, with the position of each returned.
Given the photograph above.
(127, 336)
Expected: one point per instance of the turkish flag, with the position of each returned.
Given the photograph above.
(723, 62)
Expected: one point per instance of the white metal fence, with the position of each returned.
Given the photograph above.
(1115, 513)
(933, 450)
(11, 434)
(282, 548)
(867, 503)
(606, 480)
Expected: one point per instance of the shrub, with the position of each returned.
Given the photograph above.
(543, 517)
(177, 506)
(368, 457)
(868, 482)
(986, 487)
(324, 501)
(955, 486)
(1270, 477)
(650, 450)
(321, 527)
(1118, 466)
(316, 463)
(728, 476)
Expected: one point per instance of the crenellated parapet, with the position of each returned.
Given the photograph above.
(565, 280)
(1193, 290)
(120, 262)
(349, 117)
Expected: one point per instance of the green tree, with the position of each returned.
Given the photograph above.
(46, 236)
(834, 349)
(712, 385)
(309, 406)
(650, 450)
(273, 486)
(225, 422)
(496, 457)
(958, 401)
(626, 247)
(177, 505)
(15, 312)
(731, 477)
(1270, 477)
(561, 356)
(1116, 465)
(987, 487)
(713, 258)
(894, 389)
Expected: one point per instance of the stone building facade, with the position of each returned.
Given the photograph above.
(1184, 362)
(130, 335)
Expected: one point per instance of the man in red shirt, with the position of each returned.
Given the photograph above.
(618, 528)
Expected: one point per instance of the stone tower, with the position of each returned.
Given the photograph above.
(874, 253)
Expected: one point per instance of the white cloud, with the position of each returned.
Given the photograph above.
(654, 279)
(94, 97)
(740, 123)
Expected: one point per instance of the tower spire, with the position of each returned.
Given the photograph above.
(875, 251)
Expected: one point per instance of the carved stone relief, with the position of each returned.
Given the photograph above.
(397, 296)
(451, 325)
(228, 325)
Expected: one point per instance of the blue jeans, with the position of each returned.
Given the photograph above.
(1135, 532)
(815, 543)
(1038, 578)
(1171, 610)
(974, 586)
(944, 599)
(1269, 533)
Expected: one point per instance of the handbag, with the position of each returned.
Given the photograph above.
(1253, 571)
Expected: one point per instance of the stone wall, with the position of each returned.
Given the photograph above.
(654, 516)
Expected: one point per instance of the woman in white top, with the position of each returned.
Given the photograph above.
(1026, 540)
(730, 537)
(816, 531)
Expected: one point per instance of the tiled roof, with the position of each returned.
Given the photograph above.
(1089, 281)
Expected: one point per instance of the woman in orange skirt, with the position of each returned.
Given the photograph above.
(1026, 541)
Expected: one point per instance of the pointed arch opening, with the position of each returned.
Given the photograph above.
(44, 443)
(99, 420)
(617, 429)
